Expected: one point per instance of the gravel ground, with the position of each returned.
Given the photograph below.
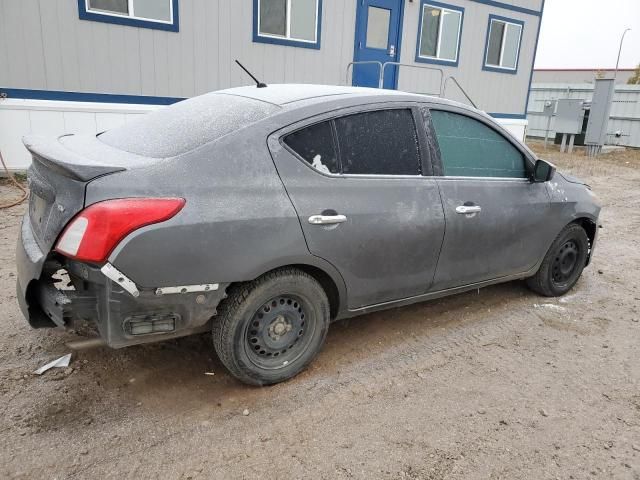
(498, 383)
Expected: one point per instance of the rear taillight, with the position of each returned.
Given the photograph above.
(93, 234)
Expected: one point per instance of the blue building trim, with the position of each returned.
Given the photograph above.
(439, 61)
(86, 14)
(22, 93)
(512, 116)
(513, 8)
(533, 60)
(491, 68)
(257, 38)
(399, 46)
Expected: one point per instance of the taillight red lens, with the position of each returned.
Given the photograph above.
(93, 234)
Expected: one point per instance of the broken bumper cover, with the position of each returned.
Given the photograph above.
(124, 314)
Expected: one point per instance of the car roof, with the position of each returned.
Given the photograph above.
(285, 94)
(294, 95)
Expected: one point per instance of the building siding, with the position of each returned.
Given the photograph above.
(579, 75)
(44, 46)
(490, 91)
(88, 56)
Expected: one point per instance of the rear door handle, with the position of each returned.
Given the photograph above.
(326, 219)
(466, 209)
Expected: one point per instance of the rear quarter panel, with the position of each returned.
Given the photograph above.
(237, 222)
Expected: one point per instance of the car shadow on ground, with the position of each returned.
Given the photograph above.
(185, 374)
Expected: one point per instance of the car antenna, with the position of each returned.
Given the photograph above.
(259, 84)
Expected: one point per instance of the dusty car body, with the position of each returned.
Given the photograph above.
(241, 192)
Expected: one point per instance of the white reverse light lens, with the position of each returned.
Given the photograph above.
(72, 237)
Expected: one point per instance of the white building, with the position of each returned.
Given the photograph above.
(70, 66)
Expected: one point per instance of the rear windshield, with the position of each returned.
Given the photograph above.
(186, 125)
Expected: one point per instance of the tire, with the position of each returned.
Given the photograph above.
(563, 263)
(270, 329)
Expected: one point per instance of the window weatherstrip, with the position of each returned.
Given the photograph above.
(503, 39)
(131, 15)
(287, 19)
(437, 58)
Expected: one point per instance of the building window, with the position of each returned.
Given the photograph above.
(439, 33)
(287, 22)
(156, 14)
(503, 44)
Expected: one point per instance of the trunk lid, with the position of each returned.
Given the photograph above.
(60, 171)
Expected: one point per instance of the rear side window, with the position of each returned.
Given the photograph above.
(382, 142)
(315, 144)
(469, 148)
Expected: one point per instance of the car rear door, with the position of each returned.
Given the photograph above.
(356, 182)
(494, 213)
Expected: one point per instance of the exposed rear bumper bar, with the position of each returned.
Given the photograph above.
(122, 318)
(54, 303)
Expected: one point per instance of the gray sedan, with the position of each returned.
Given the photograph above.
(262, 214)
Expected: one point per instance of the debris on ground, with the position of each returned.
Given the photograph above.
(62, 362)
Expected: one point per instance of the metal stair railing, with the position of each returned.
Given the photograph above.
(410, 65)
(464, 92)
(350, 66)
(382, 70)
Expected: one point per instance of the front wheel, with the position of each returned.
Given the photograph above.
(270, 329)
(563, 263)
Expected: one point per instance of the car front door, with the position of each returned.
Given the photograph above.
(356, 183)
(494, 213)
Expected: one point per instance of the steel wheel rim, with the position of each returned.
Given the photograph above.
(279, 332)
(565, 262)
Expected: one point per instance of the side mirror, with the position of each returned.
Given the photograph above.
(543, 171)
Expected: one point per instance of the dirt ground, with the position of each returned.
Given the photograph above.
(498, 383)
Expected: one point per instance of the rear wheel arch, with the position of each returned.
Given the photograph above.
(328, 285)
(329, 279)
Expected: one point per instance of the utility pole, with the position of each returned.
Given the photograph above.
(615, 73)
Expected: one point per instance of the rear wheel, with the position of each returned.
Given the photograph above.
(269, 330)
(563, 263)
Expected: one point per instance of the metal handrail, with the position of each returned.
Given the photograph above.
(364, 62)
(444, 89)
(423, 67)
(382, 69)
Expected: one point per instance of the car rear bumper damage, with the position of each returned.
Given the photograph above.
(54, 291)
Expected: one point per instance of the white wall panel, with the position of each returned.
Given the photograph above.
(43, 117)
(14, 124)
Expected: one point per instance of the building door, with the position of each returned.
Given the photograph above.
(378, 30)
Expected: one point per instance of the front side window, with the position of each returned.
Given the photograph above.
(288, 22)
(158, 14)
(439, 33)
(503, 44)
(383, 142)
(469, 148)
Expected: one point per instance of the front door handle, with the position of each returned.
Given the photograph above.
(326, 219)
(466, 209)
